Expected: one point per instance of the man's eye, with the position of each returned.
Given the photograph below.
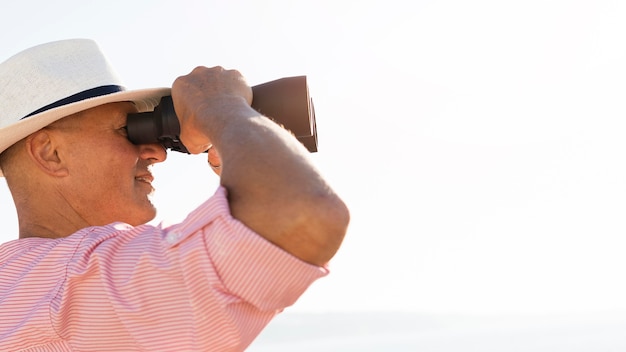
(124, 130)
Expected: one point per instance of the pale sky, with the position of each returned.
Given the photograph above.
(479, 144)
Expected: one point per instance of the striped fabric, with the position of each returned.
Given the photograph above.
(206, 284)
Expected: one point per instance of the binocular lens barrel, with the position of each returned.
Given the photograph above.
(286, 101)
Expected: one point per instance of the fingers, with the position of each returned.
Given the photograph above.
(204, 82)
(214, 160)
(204, 96)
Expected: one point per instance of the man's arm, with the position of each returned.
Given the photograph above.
(273, 187)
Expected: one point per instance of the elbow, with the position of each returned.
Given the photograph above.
(338, 225)
(331, 220)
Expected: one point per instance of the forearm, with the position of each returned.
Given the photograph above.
(276, 190)
(273, 187)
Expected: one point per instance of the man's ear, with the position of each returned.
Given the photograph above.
(42, 150)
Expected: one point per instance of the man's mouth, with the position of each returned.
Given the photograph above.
(145, 178)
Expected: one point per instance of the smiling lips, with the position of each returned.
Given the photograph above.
(147, 178)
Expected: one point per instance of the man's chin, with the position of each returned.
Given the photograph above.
(144, 216)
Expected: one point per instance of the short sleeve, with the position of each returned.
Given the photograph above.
(247, 265)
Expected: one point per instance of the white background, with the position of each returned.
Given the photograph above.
(479, 144)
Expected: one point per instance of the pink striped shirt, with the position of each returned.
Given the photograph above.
(206, 284)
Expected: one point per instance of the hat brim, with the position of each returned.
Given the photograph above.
(144, 99)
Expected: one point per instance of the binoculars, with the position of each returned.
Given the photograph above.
(286, 101)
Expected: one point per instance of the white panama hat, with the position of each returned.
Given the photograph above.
(47, 82)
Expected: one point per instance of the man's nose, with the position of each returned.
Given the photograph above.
(154, 152)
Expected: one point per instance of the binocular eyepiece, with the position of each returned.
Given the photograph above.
(286, 101)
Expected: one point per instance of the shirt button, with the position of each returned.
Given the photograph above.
(172, 237)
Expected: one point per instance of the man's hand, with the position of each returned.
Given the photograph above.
(203, 97)
(215, 161)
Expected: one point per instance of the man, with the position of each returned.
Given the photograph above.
(88, 274)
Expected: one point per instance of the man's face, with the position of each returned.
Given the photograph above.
(109, 178)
